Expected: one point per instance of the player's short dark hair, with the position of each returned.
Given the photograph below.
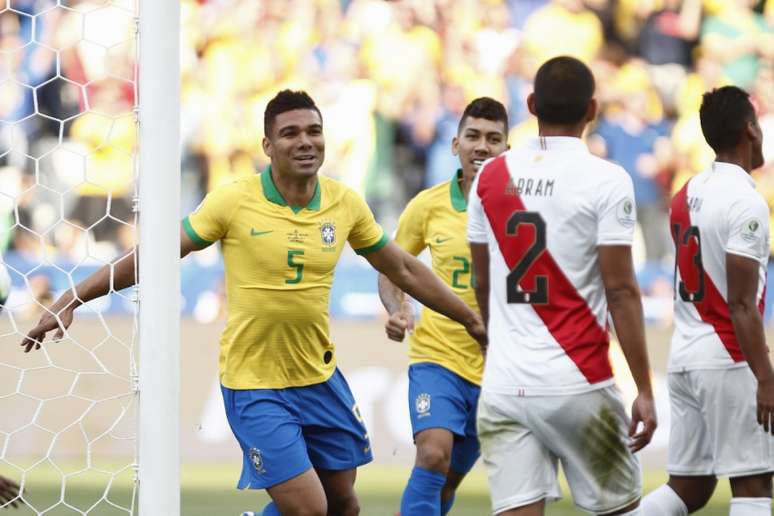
(286, 100)
(486, 108)
(564, 86)
(724, 114)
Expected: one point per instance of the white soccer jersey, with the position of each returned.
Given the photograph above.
(543, 210)
(716, 212)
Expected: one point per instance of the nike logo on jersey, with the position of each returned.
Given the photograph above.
(439, 240)
(254, 233)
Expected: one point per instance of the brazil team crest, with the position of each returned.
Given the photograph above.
(422, 404)
(257, 459)
(328, 234)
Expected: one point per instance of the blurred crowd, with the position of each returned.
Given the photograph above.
(391, 78)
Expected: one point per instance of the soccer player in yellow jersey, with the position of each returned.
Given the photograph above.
(446, 363)
(282, 232)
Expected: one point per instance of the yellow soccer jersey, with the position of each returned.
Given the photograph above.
(436, 218)
(279, 264)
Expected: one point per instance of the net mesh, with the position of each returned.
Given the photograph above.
(68, 133)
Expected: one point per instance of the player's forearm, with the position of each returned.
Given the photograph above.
(391, 296)
(626, 310)
(482, 298)
(422, 284)
(118, 275)
(748, 327)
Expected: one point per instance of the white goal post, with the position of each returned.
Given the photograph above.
(159, 258)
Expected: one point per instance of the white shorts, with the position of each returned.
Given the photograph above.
(524, 438)
(714, 428)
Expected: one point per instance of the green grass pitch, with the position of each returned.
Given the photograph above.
(208, 490)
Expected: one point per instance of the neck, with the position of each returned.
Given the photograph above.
(741, 159)
(297, 191)
(465, 183)
(574, 131)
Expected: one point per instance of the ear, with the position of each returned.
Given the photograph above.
(754, 133)
(591, 111)
(531, 103)
(268, 149)
(455, 146)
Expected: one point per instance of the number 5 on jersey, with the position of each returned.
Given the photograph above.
(299, 267)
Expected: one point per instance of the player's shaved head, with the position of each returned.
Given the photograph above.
(486, 108)
(286, 100)
(564, 86)
(724, 114)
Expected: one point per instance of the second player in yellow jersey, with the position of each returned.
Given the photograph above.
(446, 365)
(436, 219)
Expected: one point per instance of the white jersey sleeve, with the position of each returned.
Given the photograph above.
(617, 212)
(476, 218)
(748, 231)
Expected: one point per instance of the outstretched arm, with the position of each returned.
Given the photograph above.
(623, 300)
(742, 278)
(417, 280)
(117, 275)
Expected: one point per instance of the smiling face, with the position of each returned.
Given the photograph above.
(296, 145)
(478, 140)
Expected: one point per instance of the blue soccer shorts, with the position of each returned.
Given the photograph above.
(439, 398)
(285, 432)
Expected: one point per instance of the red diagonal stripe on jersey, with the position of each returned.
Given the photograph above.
(566, 315)
(712, 309)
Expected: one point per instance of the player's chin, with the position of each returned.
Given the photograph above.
(306, 168)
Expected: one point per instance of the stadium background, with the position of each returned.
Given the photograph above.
(391, 79)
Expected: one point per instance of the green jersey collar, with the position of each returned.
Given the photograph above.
(274, 195)
(458, 201)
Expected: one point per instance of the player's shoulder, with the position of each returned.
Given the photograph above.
(232, 190)
(338, 193)
(603, 169)
(433, 195)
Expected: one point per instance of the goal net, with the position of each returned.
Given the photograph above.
(70, 175)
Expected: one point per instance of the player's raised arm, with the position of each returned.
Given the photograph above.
(414, 278)
(625, 306)
(118, 275)
(743, 276)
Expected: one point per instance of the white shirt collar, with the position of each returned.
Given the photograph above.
(733, 170)
(557, 143)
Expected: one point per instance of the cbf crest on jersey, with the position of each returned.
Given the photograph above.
(422, 404)
(257, 459)
(328, 234)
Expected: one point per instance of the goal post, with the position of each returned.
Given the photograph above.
(159, 258)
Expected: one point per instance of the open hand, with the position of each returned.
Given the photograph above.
(49, 321)
(643, 411)
(9, 490)
(765, 399)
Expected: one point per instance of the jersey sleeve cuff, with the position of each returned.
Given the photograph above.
(193, 235)
(373, 248)
(614, 240)
(743, 253)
